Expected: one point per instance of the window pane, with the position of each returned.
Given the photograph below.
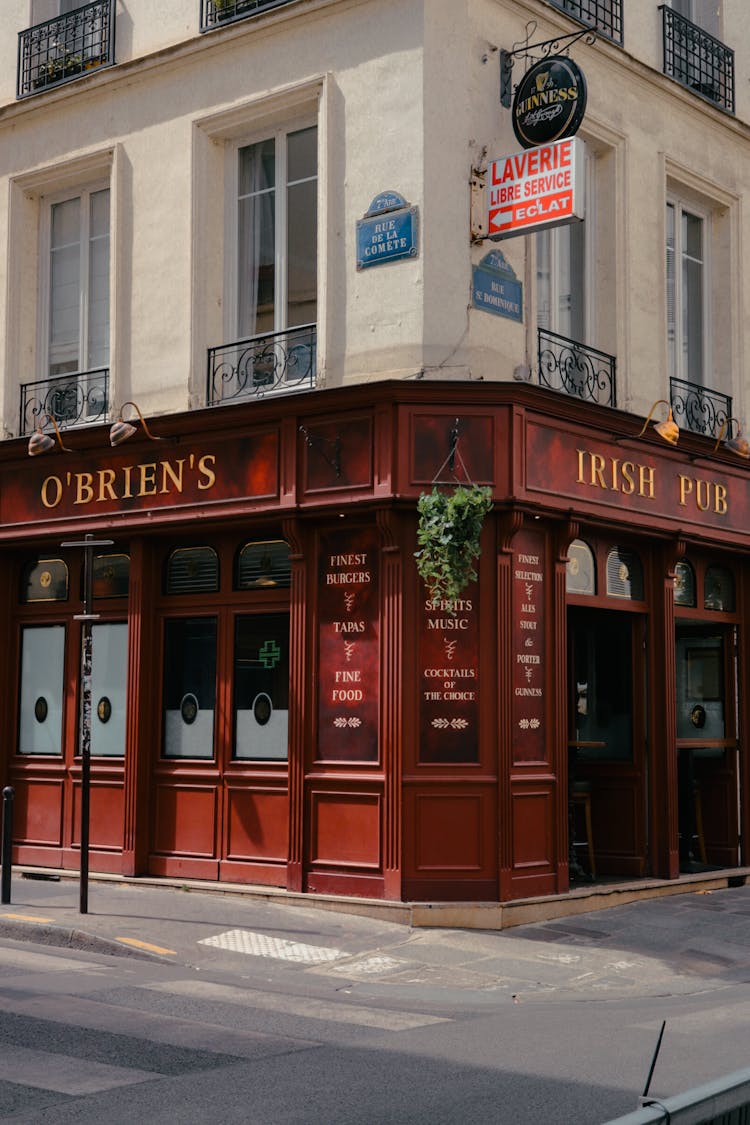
(257, 239)
(109, 677)
(98, 335)
(302, 154)
(671, 296)
(189, 687)
(543, 279)
(42, 667)
(261, 687)
(65, 288)
(302, 251)
(692, 297)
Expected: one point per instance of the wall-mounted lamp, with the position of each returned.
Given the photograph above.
(737, 444)
(39, 442)
(668, 430)
(122, 430)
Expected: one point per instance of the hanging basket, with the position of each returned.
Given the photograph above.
(450, 526)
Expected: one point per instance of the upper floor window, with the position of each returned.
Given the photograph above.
(77, 312)
(604, 15)
(686, 293)
(277, 191)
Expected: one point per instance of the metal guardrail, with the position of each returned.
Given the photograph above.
(214, 13)
(603, 15)
(697, 60)
(273, 364)
(77, 399)
(66, 47)
(699, 409)
(723, 1102)
(572, 368)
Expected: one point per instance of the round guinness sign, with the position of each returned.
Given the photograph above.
(550, 102)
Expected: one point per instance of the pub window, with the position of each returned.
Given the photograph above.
(111, 576)
(718, 590)
(263, 564)
(261, 686)
(624, 575)
(44, 580)
(41, 703)
(684, 584)
(189, 687)
(580, 572)
(193, 570)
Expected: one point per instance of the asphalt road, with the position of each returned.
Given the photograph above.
(166, 1006)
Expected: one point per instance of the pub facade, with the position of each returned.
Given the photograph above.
(276, 699)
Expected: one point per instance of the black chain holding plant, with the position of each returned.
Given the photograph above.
(450, 526)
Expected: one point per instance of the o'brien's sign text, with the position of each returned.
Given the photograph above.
(539, 187)
(152, 478)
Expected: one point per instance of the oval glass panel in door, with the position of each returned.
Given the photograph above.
(261, 686)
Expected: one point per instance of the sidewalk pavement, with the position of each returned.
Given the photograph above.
(679, 944)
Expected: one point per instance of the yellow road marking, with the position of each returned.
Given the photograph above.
(145, 945)
(26, 918)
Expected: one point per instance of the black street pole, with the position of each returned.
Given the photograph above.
(88, 544)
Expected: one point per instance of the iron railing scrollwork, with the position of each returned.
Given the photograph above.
(603, 15)
(273, 364)
(72, 400)
(215, 13)
(66, 47)
(575, 369)
(698, 60)
(699, 409)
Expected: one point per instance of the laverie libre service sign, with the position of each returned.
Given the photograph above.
(538, 187)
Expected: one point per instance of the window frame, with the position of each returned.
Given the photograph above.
(278, 132)
(678, 369)
(588, 258)
(47, 202)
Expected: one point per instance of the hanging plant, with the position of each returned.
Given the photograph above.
(450, 525)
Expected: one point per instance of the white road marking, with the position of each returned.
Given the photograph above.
(304, 1007)
(66, 1074)
(262, 945)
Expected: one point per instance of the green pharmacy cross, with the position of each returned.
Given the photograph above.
(269, 654)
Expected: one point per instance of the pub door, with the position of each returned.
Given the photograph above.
(220, 796)
(46, 768)
(707, 747)
(607, 767)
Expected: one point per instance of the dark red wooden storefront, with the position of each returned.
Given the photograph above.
(322, 725)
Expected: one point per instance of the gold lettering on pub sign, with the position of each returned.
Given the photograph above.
(152, 478)
(630, 478)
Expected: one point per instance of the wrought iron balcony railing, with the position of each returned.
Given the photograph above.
(603, 15)
(698, 408)
(65, 48)
(72, 400)
(697, 60)
(274, 364)
(214, 13)
(575, 369)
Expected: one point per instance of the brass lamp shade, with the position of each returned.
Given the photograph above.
(122, 430)
(737, 444)
(668, 430)
(40, 442)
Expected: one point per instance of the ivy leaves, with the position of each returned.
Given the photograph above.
(448, 535)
